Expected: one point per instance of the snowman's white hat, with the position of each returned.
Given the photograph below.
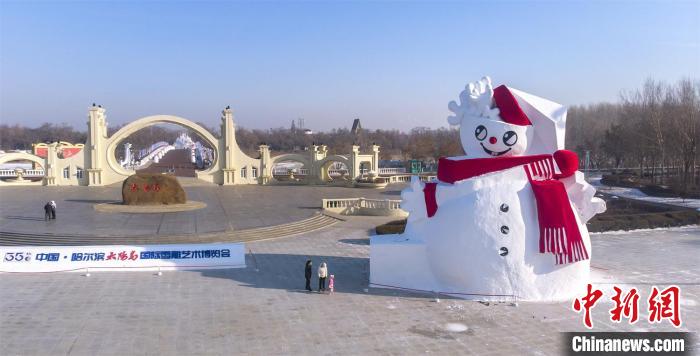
(515, 107)
(548, 119)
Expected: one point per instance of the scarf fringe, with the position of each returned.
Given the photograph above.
(565, 250)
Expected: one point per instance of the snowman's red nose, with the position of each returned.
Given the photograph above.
(492, 140)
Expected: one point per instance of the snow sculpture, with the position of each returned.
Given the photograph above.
(506, 221)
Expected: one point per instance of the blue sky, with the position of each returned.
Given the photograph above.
(392, 64)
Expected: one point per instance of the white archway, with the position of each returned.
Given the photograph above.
(291, 157)
(21, 156)
(126, 131)
(325, 163)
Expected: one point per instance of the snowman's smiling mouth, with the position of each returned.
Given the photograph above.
(492, 153)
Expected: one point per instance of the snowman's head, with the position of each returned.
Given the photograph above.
(492, 124)
(483, 138)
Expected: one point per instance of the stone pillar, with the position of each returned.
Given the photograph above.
(314, 174)
(50, 168)
(375, 158)
(226, 147)
(96, 148)
(355, 162)
(265, 166)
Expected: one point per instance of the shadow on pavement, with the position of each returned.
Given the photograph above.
(286, 271)
(30, 218)
(364, 241)
(92, 201)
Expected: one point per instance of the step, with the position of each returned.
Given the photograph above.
(307, 225)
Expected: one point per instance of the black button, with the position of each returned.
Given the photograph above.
(503, 251)
(504, 207)
(504, 229)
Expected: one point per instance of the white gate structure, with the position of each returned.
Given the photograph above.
(97, 165)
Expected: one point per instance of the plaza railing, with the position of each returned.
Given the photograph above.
(387, 171)
(364, 206)
(27, 173)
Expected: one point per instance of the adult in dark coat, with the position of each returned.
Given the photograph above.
(47, 211)
(307, 273)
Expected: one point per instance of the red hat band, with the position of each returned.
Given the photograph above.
(509, 108)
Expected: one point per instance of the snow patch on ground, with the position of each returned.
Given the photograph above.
(687, 228)
(456, 327)
(634, 193)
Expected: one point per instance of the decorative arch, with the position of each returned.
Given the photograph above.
(291, 157)
(21, 156)
(147, 121)
(324, 165)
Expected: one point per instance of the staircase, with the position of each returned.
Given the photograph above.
(316, 222)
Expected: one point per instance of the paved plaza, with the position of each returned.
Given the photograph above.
(228, 208)
(263, 309)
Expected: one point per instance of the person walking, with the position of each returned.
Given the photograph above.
(322, 274)
(307, 273)
(53, 209)
(47, 211)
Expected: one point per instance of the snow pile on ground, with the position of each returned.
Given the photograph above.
(634, 193)
(688, 228)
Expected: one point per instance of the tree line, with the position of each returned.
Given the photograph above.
(651, 129)
(654, 129)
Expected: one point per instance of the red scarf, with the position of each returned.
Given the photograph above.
(559, 233)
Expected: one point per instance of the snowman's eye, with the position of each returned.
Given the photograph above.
(480, 132)
(510, 138)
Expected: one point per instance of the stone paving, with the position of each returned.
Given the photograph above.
(263, 309)
(228, 208)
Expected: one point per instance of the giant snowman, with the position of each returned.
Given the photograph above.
(507, 220)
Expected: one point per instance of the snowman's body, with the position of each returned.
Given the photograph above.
(483, 242)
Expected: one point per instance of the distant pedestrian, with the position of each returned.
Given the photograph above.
(322, 274)
(53, 209)
(307, 273)
(47, 211)
(331, 283)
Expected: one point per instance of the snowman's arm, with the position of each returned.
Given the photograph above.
(415, 198)
(582, 195)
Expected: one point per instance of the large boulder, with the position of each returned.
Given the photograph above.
(152, 189)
